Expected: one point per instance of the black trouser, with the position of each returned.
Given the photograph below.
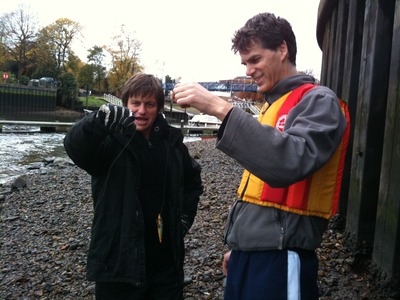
(162, 285)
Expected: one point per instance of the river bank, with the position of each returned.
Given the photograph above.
(24, 147)
(45, 229)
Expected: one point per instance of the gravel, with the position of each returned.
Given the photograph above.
(45, 219)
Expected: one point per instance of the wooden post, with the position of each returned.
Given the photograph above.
(350, 79)
(386, 252)
(369, 124)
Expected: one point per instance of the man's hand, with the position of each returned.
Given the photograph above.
(225, 262)
(195, 95)
(115, 119)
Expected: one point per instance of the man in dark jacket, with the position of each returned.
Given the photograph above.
(145, 189)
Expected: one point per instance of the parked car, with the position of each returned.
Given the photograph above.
(34, 82)
(48, 82)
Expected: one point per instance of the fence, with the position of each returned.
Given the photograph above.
(27, 103)
(112, 99)
(360, 42)
(247, 106)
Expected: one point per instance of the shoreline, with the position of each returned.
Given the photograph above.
(45, 233)
(31, 151)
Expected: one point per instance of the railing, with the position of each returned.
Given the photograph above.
(246, 106)
(222, 86)
(112, 99)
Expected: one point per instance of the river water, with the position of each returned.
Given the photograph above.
(21, 146)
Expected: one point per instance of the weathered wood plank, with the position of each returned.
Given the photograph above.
(339, 47)
(369, 124)
(352, 52)
(386, 250)
(371, 85)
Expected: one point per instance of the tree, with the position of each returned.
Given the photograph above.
(124, 54)
(96, 57)
(69, 91)
(86, 77)
(42, 60)
(60, 36)
(3, 52)
(19, 30)
(73, 64)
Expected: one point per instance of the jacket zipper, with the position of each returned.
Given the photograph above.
(232, 211)
(281, 229)
(229, 221)
(149, 144)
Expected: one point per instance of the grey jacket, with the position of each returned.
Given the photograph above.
(312, 132)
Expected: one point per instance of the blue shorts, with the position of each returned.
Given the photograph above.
(272, 274)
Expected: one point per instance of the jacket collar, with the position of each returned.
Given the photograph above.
(161, 130)
(286, 85)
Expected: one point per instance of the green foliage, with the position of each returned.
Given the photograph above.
(11, 77)
(34, 52)
(86, 76)
(69, 90)
(93, 101)
(61, 34)
(95, 58)
(124, 54)
(24, 80)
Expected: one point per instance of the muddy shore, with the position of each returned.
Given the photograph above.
(45, 227)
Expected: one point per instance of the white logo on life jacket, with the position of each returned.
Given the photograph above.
(280, 124)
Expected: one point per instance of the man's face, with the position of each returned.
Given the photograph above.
(145, 111)
(266, 67)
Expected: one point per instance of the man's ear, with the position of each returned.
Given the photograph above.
(283, 50)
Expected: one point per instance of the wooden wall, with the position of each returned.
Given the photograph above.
(360, 42)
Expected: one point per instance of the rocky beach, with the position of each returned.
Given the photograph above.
(45, 219)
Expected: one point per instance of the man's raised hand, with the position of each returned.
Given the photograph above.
(116, 119)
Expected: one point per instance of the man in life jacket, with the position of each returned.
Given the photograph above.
(293, 157)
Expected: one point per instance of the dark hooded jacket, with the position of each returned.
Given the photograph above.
(117, 248)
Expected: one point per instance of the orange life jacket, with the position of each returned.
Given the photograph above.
(317, 195)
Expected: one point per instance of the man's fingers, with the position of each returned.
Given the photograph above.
(116, 118)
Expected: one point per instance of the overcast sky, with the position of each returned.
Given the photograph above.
(181, 38)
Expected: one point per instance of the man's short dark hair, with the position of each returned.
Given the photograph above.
(267, 30)
(143, 85)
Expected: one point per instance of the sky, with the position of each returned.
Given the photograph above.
(185, 39)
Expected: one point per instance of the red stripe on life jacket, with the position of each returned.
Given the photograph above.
(281, 195)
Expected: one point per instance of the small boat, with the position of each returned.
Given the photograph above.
(202, 120)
